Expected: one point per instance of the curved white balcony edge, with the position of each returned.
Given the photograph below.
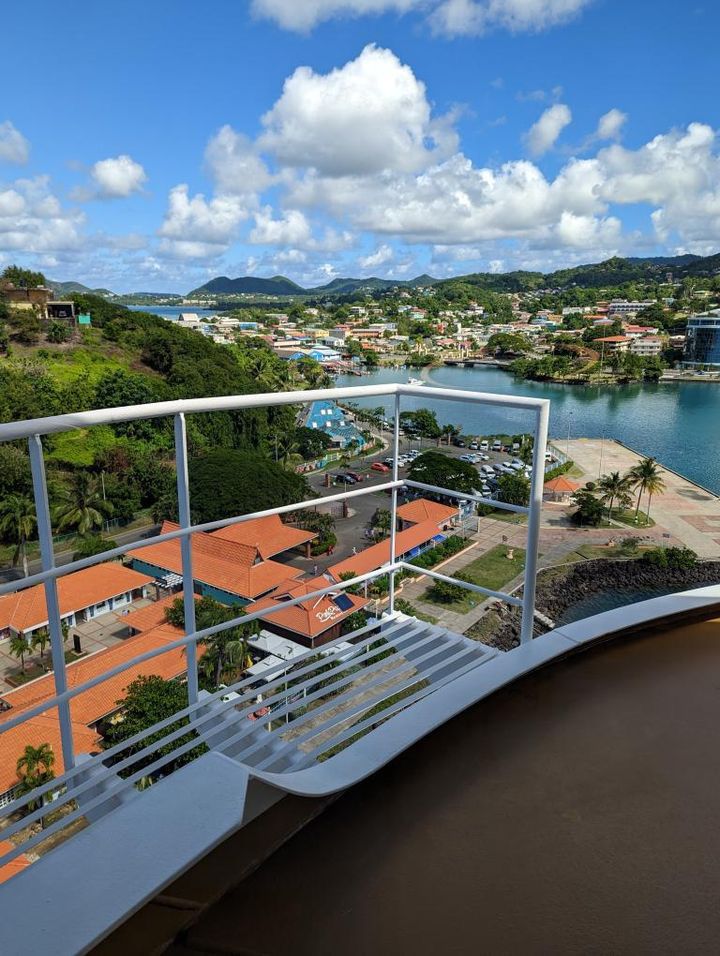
(133, 853)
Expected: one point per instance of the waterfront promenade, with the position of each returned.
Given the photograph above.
(687, 511)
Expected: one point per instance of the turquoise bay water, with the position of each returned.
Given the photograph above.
(679, 424)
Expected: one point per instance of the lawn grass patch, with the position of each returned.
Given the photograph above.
(491, 570)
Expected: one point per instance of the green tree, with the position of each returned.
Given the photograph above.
(436, 468)
(422, 423)
(614, 487)
(4, 336)
(23, 278)
(27, 329)
(312, 442)
(92, 544)
(81, 506)
(226, 482)
(19, 648)
(448, 432)
(508, 343)
(646, 477)
(590, 508)
(148, 700)
(227, 653)
(17, 525)
(514, 489)
(382, 523)
(58, 332)
(35, 768)
(444, 593)
(40, 640)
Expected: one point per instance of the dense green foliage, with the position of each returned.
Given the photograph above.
(228, 482)
(680, 559)
(435, 468)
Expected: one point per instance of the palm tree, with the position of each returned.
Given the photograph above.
(382, 523)
(17, 523)
(19, 648)
(82, 506)
(614, 487)
(40, 640)
(34, 768)
(646, 476)
(226, 651)
(449, 432)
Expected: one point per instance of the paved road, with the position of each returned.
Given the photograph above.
(65, 557)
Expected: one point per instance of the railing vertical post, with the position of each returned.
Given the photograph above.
(47, 554)
(393, 506)
(533, 536)
(183, 488)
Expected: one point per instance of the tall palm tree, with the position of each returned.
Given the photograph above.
(449, 431)
(646, 477)
(17, 523)
(19, 648)
(40, 640)
(614, 487)
(82, 507)
(34, 768)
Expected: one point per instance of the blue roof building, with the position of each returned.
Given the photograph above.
(330, 418)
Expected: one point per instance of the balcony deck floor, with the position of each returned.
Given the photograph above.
(572, 812)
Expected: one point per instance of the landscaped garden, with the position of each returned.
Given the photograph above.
(492, 570)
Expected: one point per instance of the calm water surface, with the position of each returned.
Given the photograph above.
(679, 424)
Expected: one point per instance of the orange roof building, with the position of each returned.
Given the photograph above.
(560, 488)
(82, 595)
(14, 866)
(407, 544)
(269, 536)
(314, 622)
(423, 509)
(232, 572)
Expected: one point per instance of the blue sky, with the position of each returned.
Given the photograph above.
(154, 145)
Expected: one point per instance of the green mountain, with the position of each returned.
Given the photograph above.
(252, 285)
(67, 288)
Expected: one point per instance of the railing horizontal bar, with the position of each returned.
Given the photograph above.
(468, 496)
(440, 647)
(330, 689)
(187, 639)
(122, 550)
(483, 398)
(500, 595)
(389, 711)
(11, 431)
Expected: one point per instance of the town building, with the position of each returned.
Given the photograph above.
(621, 307)
(408, 544)
(702, 340)
(647, 346)
(35, 299)
(228, 571)
(330, 418)
(83, 596)
(614, 343)
(270, 536)
(424, 509)
(313, 622)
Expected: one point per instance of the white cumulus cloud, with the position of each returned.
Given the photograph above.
(292, 229)
(543, 135)
(117, 177)
(14, 148)
(610, 124)
(303, 15)
(369, 115)
(196, 227)
(380, 257)
(234, 164)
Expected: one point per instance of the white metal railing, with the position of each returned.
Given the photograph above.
(34, 430)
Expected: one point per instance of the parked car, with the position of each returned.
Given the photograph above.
(474, 445)
(497, 445)
(516, 446)
(356, 476)
(379, 466)
(484, 445)
(344, 479)
(459, 442)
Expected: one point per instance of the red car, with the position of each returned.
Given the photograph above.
(378, 466)
(356, 475)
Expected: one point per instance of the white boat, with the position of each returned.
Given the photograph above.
(415, 381)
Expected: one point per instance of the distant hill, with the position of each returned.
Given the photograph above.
(281, 286)
(66, 288)
(253, 285)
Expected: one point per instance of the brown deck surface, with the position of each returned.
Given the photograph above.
(575, 812)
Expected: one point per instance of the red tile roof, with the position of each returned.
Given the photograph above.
(44, 729)
(269, 536)
(145, 618)
(25, 610)
(613, 338)
(310, 618)
(423, 509)
(14, 866)
(378, 554)
(89, 706)
(227, 565)
(562, 484)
